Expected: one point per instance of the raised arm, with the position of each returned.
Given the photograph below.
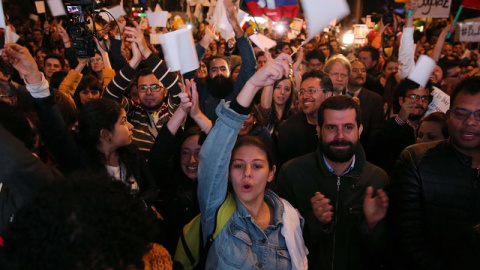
(406, 53)
(158, 66)
(57, 136)
(214, 158)
(247, 69)
(73, 78)
(437, 50)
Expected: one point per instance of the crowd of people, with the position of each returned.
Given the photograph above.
(333, 157)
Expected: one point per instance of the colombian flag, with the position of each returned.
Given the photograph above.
(274, 9)
(473, 4)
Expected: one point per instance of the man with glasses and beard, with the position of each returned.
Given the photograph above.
(333, 188)
(400, 131)
(220, 84)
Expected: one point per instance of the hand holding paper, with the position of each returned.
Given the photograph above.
(23, 62)
(179, 50)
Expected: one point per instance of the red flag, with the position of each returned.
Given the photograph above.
(473, 4)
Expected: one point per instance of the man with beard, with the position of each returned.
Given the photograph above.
(400, 131)
(435, 199)
(298, 135)
(370, 102)
(220, 84)
(332, 188)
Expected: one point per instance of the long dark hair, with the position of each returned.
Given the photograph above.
(94, 116)
(287, 112)
(88, 82)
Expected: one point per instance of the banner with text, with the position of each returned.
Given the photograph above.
(433, 8)
(470, 31)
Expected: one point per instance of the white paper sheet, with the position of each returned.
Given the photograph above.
(34, 17)
(219, 19)
(3, 24)
(157, 18)
(262, 41)
(422, 70)
(319, 14)
(10, 36)
(56, 7)
(179, 50)
(117, 11)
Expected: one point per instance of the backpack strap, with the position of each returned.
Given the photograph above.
(191, 252)
(222, 216)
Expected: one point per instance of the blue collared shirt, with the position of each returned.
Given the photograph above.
(331, 170)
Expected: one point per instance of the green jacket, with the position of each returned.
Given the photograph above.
(345, 243)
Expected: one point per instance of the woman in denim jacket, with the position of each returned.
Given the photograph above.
(265, 231)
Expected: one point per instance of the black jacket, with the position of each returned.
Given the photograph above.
(346, 243)
(434, 204)
(22, 175)
(296, 137)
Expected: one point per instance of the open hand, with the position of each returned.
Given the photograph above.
(374, 208)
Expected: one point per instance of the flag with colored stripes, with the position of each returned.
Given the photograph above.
(474, 4)
(274, 9)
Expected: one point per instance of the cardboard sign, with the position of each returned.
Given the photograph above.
(319, 14)
(440, 102)
(179, 50)
(433, 9)
(422, 70)
(470, 31)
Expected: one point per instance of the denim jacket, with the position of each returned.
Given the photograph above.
(241, 244)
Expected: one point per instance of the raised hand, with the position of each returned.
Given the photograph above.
(209, 35)
(407, 108)
(135, 34)
(374, 208)
(21, 59)
(232, 12)
(321, 208)
(136, 56)
(185, 96)
(273, 70)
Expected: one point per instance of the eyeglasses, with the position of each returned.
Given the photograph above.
(310, 91)
(97, 60)
(455, 76)
(464, 114)
(418, 97)
(153, 87)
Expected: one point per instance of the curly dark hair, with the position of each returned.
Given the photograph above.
(84, 222)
